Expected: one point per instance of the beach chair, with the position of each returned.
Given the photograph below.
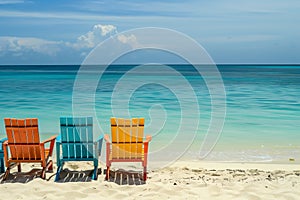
(24, 146)
(127, 143)
(2, 168)
(76, 143)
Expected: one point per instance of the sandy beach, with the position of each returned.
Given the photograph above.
(182, 180)
(202, 97)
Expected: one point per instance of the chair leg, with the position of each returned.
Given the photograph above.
(58, 173)
(2, 168)
(50, 166)
(95, 173)
(6, 174)
(145, 174)
(107, 173)
(19, 167)
(43, 174)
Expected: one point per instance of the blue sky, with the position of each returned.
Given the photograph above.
(231, 31)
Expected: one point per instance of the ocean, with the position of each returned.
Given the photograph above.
(262, 103)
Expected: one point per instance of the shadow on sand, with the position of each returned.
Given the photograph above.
(76, 176)
(125, 177)
(22, 177)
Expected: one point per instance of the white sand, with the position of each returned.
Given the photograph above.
(182, 180)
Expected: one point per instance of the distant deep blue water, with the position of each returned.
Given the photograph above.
(263, 105)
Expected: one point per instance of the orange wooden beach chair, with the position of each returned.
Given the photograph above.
(24, 146)
(127, 143)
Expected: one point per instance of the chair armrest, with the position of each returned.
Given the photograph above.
(42, 145)
(49, 139)
(98, 144)
(2, 141)
(5, 143)
(108, 146)
(58, 139)
(5, 151)
(106, 138)
(146, 147)
(100, 138)
(148, 138)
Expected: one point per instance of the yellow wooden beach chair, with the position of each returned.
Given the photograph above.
(127, 143)
(23, 144)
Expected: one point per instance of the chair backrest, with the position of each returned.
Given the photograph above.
(77, 137)
(23, 138)
(127, 138)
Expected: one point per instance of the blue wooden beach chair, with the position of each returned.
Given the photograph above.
(2, 168)
(76, 143)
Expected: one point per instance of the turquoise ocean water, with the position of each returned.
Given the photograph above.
(262, 120)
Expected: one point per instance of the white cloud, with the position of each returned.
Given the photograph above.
(94, 37)
(105, 29)
(131, 40)
(19, 45)
(30, 50)
(29, 46)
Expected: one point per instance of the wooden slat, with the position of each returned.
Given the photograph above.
(14, 122)
(64, 138)
(18, 139)
(127, 138)
(121, 137)
(127, 130)
(121, 130)
(78, 149)
(114, 131)
(34, 122)
(9, 133)
(7, 122)
(28, 150)
(115, 151)
(84, 139)
(134, 135)
(24, 150)
(30, 139)
(140, 137)
(89, 120)
(35, 151)
(76, 136)
(30, 132)
(36, 135)
(134, 130)
(139, 150)
(122, 150)
(36, 138)
(134, 150)
(70, 135)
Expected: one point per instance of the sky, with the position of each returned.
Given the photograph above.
(231, 31)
